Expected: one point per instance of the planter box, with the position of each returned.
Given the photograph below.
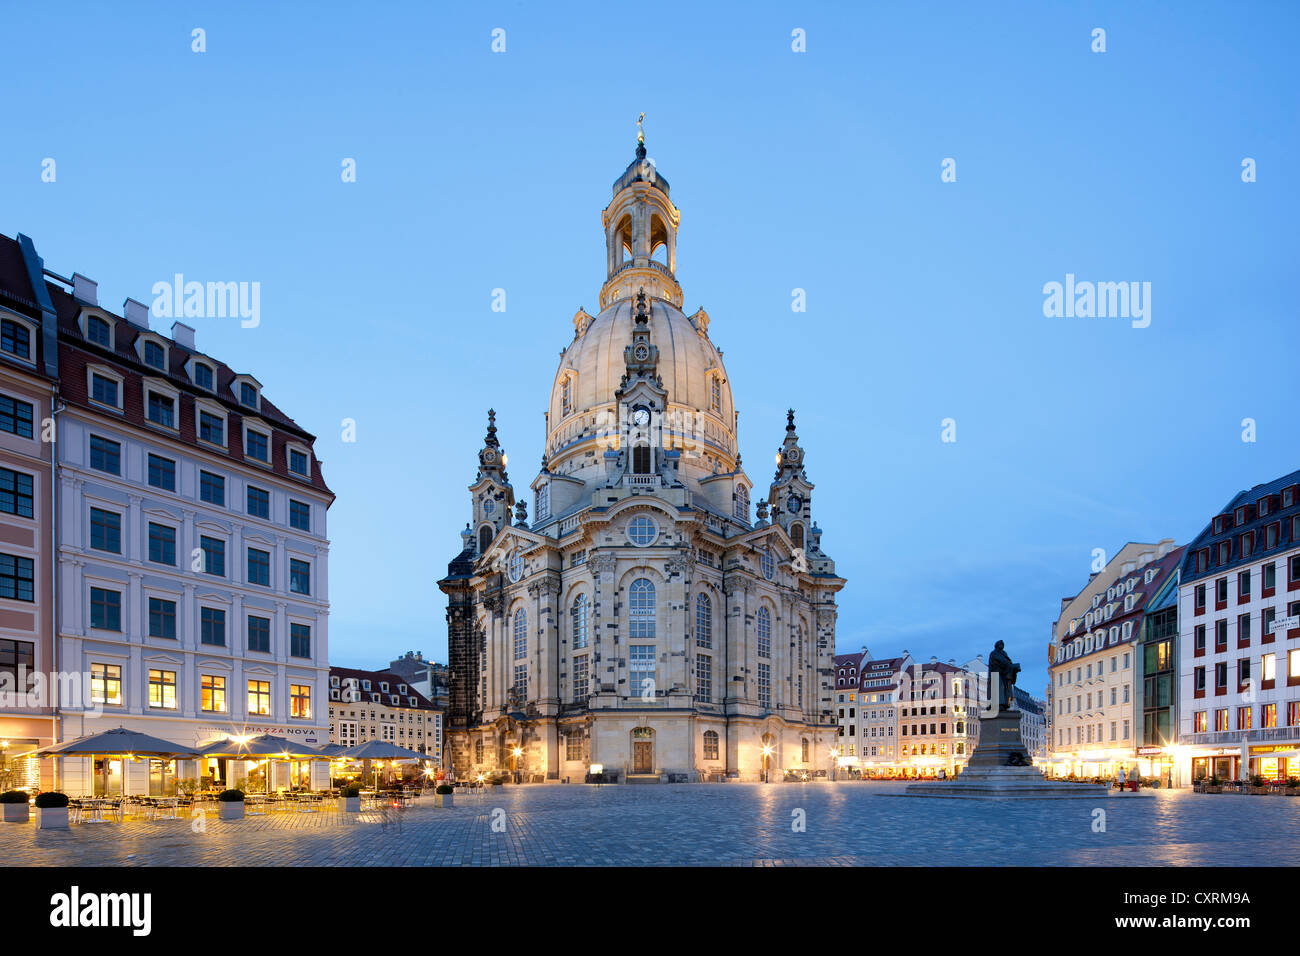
(350, 804)
(16, 812)
(234, 810)
(52, 818)
(444, 799)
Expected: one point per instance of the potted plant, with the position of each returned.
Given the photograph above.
(350, 798)
(1214, 785)
(15, 806)
(1292, 786)
(1257, 784)
(231, 804)
(443, 796)
(51, 810)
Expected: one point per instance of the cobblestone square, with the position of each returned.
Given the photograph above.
(846, 824)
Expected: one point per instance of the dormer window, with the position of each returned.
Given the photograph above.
(257, 444)
(383, 685)
(401, 688)
(212, 426)
(105, 390)
(153, 355)
(1240, 516)
(299, 462)
(374, 698)
(247, 395)
(16, 339)
(1218, 524)
(365, 685)
(334, 680)
(412, 700)
(1264, 506)
(204, 377)
(99, 331)
(1288, 497)
(395, 699)
(160, 408)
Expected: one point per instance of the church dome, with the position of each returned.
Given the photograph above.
(592, 369)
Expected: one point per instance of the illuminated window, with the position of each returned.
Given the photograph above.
(162, 689)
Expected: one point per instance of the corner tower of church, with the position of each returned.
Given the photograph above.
(645, 622)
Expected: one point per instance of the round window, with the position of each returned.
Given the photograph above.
(642, 531)
(768, 564)
(516, 569)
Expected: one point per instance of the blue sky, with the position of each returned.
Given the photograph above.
(818, 170)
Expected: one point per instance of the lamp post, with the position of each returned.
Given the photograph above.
(517, 752)
(834, 753)
(767, 760)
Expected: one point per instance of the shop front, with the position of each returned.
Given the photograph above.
(1277, 762)
(1221, 762)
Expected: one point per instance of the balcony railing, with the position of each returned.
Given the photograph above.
(1234, 737)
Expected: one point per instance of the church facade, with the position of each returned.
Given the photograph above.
(647, 623)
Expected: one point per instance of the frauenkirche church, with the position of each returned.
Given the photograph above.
(641, 622)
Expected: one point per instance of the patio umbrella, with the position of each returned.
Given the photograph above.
(263, 747)
(382, 750)
(120, 743)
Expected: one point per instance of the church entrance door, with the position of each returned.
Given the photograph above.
(643, 756)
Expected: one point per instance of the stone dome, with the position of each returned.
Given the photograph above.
(592, 368)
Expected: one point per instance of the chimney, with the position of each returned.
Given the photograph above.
(85, 290)
(137, 313)
(1164, 547)
(1145, 558)
(183, 335)
(1128, 567)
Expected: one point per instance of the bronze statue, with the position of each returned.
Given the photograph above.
(1002, 665)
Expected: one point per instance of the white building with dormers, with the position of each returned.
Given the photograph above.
(645, 621)
(192, 553)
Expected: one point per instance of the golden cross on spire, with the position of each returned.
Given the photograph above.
(640, 129)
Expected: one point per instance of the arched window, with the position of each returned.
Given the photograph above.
(484, 538)
(579, 613)
(641, 610)
(715, 393)
(703, 621)
(521, 634)
(478, 750)
(566, 396)
(742, 503)
(641, 459)
(710, 745)
(796, 535)
(804, 750)
(764, 633)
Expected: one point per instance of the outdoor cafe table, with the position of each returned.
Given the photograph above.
(96, 807)
(307, 802)
(166, 808)
(254, 803)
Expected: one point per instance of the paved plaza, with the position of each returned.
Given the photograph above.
(847, 823)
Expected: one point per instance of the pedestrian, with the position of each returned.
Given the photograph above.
(1121, 778)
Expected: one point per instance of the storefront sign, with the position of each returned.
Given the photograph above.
(1284, 624)
(1149, 751)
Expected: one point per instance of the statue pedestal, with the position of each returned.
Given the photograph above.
(993, 771)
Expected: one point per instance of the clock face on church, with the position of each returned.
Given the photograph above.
(793, 504)
(641, 416)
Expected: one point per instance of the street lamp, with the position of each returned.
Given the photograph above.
(767, 756)
(517, 752)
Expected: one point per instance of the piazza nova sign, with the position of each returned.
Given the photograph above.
(1120, 598)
